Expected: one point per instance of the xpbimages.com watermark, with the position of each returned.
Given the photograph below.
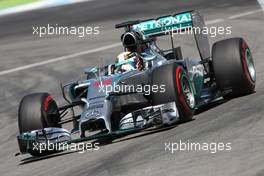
(56, 30)
(145, 89)
(212, 147)
(78, 147)
(211, 31)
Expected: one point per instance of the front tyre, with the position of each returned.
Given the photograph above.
(233, 66)
(37, 111)
(178, 89)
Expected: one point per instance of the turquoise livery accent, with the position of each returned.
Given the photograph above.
(164, 24)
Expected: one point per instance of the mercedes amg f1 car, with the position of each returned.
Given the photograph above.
(179, 86)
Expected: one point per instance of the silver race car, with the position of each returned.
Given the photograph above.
(146, 87)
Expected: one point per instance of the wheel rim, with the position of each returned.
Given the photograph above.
(187, 91)
(250, 65)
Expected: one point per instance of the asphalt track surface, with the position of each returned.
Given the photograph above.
(239, 121)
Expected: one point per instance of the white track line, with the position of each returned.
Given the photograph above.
(4, 72)
(114, 45)
(245, 14)
(218, 20)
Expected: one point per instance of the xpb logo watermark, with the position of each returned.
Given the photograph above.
(78, 147)
(212, 147)
(107, 87)
(53, 30)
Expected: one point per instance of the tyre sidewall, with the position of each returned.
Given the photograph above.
(230, 70)
(171, 75)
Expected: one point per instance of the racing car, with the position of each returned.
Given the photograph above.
(146, 87)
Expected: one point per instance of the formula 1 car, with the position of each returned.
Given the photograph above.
(168, 88)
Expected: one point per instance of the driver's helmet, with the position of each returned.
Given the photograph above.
(132, 40)
(125, 62)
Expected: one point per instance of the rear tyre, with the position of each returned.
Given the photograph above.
(233, 66)
(177, 87)
(37, 111)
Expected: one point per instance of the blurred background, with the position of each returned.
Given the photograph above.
(4, 4)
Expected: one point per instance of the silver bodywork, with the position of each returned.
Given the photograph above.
(99, 107)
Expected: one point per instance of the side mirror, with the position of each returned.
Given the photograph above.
(91, 72)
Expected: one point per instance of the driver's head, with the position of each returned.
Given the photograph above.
(132, 41)
(126, 62)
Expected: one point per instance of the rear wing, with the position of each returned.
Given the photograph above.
(166, 25)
